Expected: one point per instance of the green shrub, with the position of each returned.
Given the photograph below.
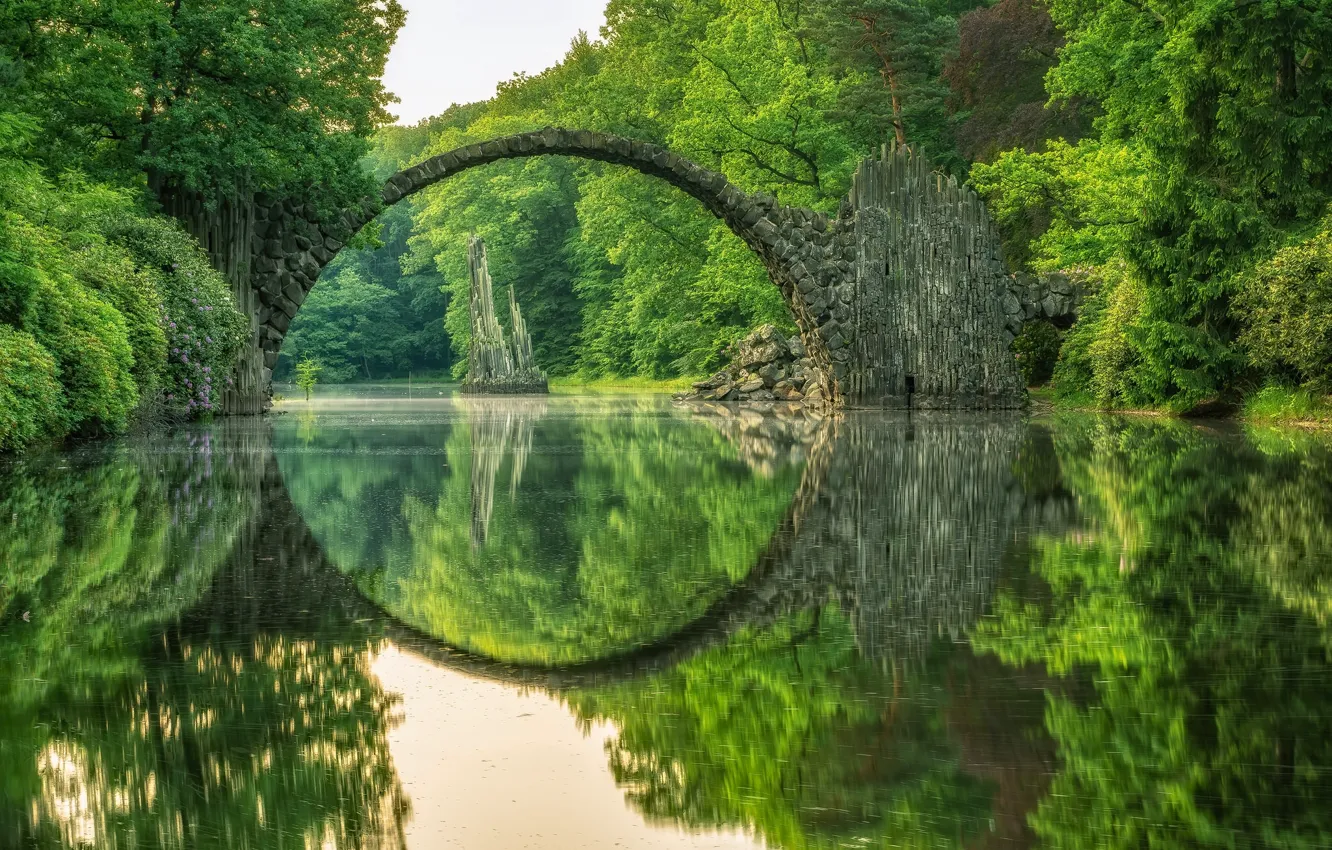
(30, 395)
(87, 214)
(122, 306)
(1037, 350)
(1108, 357)
(204, 331)
(1286, 306)
(89, 341)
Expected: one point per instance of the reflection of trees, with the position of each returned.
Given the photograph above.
(1185, 607)
(835, 719)
(351, 477)
(145, 703)
(631, 526)
(109, 539)
(501, 430)
(791, 733)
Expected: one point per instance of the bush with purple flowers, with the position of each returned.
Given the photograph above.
(204, 331)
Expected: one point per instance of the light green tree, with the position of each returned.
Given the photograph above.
(307, 375)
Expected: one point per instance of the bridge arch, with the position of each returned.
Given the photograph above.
(808, 255)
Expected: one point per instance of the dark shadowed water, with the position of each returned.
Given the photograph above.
(610, 622)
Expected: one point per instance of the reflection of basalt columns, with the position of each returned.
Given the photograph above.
(937, 509)
(903, 520)
(492, 365)
(498, 425)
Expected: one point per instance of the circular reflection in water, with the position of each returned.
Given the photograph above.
(536, 530)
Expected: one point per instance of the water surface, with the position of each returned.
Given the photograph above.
(439, 622)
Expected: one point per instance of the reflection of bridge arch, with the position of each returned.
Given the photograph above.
(900, 521)
(291, 548)
(803, 251)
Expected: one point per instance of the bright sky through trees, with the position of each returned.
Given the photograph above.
(456, 51)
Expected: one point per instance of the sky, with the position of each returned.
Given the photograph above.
(457, 51)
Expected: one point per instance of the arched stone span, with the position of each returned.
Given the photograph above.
(808, 255)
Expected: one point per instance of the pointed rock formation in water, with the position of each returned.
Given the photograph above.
(492, 365)
(524, 366)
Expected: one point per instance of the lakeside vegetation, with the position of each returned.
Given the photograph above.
(1176, 156)
(112, 114)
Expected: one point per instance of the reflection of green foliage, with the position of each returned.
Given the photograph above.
(351, 480)
(605, 550)
(239, 742)
(1210, 723)
(790, 733)
(1286, 535)
(618, 530)
(123, 716)
(123, 540)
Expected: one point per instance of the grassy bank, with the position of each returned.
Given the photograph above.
(1282, 406)
(569, 386)
(1269, 406)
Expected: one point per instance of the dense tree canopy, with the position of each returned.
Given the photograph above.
(1210, 150)
(1162, 150)
(109, 312)
(203, 97)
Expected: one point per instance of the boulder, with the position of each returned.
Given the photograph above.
(712, 383)
(765, 345)
(721, 392)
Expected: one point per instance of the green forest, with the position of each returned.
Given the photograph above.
(1175, 156)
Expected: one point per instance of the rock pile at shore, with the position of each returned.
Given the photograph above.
(765, 366)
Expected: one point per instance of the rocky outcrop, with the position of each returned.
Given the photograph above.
(766, 366)
(493, 365)
(1055, 297)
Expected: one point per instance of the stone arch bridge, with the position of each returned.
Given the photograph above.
(899, 298)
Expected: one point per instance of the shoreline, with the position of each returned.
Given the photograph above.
(1043, 403)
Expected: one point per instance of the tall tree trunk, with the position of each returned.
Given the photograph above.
(873, 39)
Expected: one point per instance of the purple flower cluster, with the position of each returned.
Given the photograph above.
(189, 369)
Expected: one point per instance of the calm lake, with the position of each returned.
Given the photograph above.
(581, 622)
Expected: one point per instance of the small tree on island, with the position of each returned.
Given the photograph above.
(307, 375)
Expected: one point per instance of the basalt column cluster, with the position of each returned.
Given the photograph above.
(930, 293)
(493, 364)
